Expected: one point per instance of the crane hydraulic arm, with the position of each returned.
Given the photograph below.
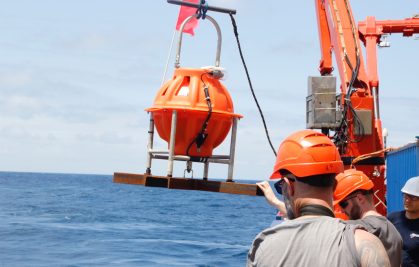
(371, 32)
(358, 129)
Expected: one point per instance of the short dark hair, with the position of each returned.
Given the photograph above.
(320, 180)
(364, 192)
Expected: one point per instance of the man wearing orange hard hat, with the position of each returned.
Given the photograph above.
(354, 195)
(307, 164)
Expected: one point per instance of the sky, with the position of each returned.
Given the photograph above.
(76, 76)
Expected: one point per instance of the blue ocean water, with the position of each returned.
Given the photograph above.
(87, 220)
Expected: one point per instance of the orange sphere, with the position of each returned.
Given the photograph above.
(185, 94)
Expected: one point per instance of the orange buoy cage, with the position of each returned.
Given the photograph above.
(185, 94)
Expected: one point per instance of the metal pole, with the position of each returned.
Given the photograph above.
(159, 151)
(212, 8)
(150, 143)
(219, 40)
(172, 144)
(206, 166)
(376, 105)
(175, 157)
(232, 150)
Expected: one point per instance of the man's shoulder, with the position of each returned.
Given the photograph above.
(396, 215)
(298, 232)
(381, 227)
(370, 250)
(308, 224)
(370, 221)
(297, 224)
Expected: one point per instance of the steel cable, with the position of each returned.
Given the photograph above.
(233, 21)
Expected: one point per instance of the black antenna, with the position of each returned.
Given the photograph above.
(212, 8)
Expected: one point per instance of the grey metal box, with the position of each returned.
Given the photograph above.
(321, 103)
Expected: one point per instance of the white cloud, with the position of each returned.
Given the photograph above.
(15, 79)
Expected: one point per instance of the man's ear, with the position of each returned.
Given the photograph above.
(291, 189)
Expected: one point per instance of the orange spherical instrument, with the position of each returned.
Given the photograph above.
(185, 93)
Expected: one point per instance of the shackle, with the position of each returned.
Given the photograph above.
(219, 40)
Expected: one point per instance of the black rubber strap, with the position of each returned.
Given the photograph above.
(316, 210)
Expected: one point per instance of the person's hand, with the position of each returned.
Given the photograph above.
(270, 196)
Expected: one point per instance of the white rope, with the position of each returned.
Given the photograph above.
(168, 57)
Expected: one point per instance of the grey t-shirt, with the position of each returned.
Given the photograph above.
(387, 233)
(315, 241)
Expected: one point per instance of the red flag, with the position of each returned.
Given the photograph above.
(185, 12)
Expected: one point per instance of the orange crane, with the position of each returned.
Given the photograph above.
(352, 119)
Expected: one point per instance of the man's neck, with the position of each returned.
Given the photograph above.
(370, 213)
(412, 215)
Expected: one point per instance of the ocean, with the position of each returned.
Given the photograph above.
(87, 220)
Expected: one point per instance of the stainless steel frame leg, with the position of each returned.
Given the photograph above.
(232, 150)
(172, 143)
(206, 167)
(150, 143)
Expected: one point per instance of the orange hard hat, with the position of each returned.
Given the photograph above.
(350, 181)
(306, 153)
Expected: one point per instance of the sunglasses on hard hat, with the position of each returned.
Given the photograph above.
(278, 185)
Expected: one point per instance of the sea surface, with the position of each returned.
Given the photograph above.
(87, 220)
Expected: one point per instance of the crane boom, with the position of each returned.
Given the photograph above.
(359, 131)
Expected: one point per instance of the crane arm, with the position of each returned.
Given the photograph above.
(359, 131)
(326, 63)
(338, 32)
(371, 31)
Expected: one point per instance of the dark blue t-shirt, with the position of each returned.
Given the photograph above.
(409, 230)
